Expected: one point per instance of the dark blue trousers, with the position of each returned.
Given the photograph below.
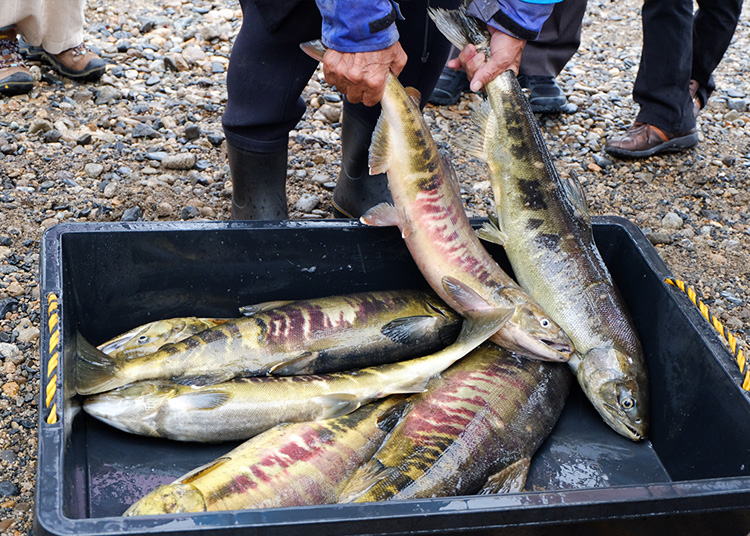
(268, 71)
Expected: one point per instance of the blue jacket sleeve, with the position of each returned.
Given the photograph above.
(519, 18)
(358, 26)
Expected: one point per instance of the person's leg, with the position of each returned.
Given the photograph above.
(545, 58)
(713, 27)
(356, 190)
(266, 76)
(666, 120)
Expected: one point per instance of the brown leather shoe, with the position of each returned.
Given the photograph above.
(15, 77)
(642, 140)
(78, 63)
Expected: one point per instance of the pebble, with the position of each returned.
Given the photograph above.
(10, 352)
(132, 214)
(8, 489)
(93, 170)
(671, 220)
(179, 161)
(307, 203)
(107, 95)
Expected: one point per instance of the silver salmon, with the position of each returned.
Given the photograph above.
(429, 211)
(294, 464)
(242, 408)
(301, 337)
(543, 222)
(474, 430)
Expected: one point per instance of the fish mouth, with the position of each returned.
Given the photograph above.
(620, 426)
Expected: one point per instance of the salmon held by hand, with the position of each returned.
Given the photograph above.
(429, 211)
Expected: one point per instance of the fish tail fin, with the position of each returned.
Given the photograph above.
(457, 26)
(95, 370)
(315, 49)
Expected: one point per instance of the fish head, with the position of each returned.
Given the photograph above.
(618, 390)
(531, 332)
(145, 339)
(169, 499)
(133, 408)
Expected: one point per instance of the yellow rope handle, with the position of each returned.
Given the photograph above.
(718, 326)
(53, 327)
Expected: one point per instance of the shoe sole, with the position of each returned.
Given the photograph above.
(672, 146)
(16, 84)
(40, 55)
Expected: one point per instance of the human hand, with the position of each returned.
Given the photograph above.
(361, 76)
(505, 53)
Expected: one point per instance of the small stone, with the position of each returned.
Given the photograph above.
(192, 131)
(602, 161)
(671, 220)
(9, 389)
(93, 170)
(593, 167)
(739, 105)
(14, 289)
(8, 489)
(307, 203)
(164, 209)
(107, 95)
(39, 125)
(5, 524)
(215, 139)
(659, 237)
(132, 214)
(320, 178)
(153, 80)
(111, 190)
(28, 333)
(188, 213)
(85, 139)
(729, 160)
(193, 54)
(10, 352)
(156, 155)
(142, 130)
(731, 115)
(179, 161)
(52, 136)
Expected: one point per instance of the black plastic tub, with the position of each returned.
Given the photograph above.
(690, 477)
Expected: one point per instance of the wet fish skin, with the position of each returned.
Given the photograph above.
(148, 338)
(429, 211)
(305, 336)
(544, 225)
(245, 407)
(293, 464)
(473, 431)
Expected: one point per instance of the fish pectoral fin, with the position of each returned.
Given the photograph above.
(510, 479)
(379, 147)
(364, 479)
(392, 416)
(481, 133)
(410, 329)
(254, 309)
(381, 215)
(337, 404)
(465, 295)
(206, 399)
(95, 371)
(295, 365)
(203, 470)
(575, 194)
(491, 233)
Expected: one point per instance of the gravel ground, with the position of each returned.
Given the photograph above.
(146, 143)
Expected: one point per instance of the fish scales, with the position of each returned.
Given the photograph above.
(487, 412)
(429, 211)
(545, 228)
(290, 465)
(318, 335)
(244, 407)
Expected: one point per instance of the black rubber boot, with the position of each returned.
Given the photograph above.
(258, 184)
(356, 190)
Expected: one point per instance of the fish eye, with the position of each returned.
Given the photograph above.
(142, 338)
(627, 403)
(545, 322)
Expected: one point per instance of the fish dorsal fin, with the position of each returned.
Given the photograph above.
(465, 295)
(254, 309)
(203, 470)
(409, 330)
(203, 380)
(510, 479)
(414, 95)
(295, 365)
(482, 127)
(205, 399)
(381, 215)
(379, 147)
(577, 197)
